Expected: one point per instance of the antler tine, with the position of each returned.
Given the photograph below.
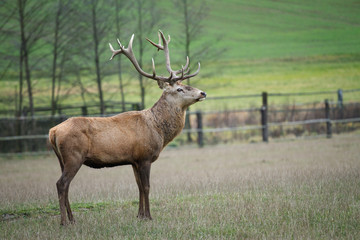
(129, 48)
(121, 46)
(128, 52)
(169, 39)
(161, 34)
(158, 46)
(159, 38)
(183, 68)
(191, 75)
(187, 62)
(170, 79)
(153, 67)
(182, 71)
(167, 54)
(165, 48)
(115, 52)
(187, 71)
(162, 37)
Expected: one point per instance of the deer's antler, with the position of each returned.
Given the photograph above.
(164, 46)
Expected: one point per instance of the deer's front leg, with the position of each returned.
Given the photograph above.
(144, 172)
(141, 192)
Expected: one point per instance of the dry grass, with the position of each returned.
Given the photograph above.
(304, 189)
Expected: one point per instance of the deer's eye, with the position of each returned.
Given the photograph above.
(180, 90)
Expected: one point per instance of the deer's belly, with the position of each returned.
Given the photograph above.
(99, 163)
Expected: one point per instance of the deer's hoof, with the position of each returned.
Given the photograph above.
(143, 217)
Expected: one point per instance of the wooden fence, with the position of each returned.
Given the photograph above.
(331, 115)
(330, 118)
(33, 131)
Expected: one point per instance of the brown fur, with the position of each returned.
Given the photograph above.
(132, 138)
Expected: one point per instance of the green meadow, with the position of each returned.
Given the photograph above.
(274, 46)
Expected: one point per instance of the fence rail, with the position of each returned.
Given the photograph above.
(24, 137)
(215, 130)
(262, 124)
(75, 109)
(338, 92)
(258, 127)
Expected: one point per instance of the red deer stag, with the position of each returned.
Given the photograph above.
(133, 138)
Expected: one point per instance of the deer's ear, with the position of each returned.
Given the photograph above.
(166, 86)
(162, 85)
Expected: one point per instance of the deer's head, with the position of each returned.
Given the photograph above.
(183, 95)
(172, 85)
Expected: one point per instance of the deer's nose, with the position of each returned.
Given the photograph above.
(203, 94)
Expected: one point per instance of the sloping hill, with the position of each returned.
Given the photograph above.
(274, 46)
(287, 28)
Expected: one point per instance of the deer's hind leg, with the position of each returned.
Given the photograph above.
(71, 167)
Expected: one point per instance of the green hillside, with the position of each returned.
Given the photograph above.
(274, 46)
(282, 29)
(285, 46)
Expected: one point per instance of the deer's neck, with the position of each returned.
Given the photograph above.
(168, 118)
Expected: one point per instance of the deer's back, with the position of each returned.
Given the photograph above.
(110, 141)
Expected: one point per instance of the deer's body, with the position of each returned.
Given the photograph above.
(133, 138)
(126, 138)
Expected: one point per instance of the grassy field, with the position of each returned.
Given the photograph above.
(274, 46)
(237, 77)
(304, 189)
(280, 29)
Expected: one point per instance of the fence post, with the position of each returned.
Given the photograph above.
(188, 125)
(264, 123)
(58, 109)
(340, 103)
(20, 131)
(328, 121)
(135, 106)
(200, 139)
(84, 111)
(340, 98)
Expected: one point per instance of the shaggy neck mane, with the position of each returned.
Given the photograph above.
(168, 118)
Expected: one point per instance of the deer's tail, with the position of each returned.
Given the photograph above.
(55, 147)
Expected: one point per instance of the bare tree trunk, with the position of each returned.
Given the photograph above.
(19, 113)
(55, 54)
(21, 81)
(59, 78)
(121, 86)
(187, 33)
(187, 53)
(97, 61)
(25, 54)
(28, 81)
(141, 50)
(82, 88)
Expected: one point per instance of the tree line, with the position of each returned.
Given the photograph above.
(61, 38)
